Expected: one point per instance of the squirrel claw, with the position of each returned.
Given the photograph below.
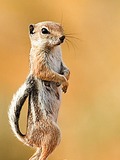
(65, 87)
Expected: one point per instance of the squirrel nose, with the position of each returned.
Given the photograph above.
(62, 38)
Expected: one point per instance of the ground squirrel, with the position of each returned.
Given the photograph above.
(48, 77)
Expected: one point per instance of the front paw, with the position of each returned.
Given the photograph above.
(65, 86)
(67, 74)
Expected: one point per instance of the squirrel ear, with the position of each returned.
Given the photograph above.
(31, 29)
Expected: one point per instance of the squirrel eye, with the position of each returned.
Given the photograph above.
(45, 31)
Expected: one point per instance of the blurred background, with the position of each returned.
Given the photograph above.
(89, 117)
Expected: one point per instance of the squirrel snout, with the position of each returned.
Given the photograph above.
(62, 39)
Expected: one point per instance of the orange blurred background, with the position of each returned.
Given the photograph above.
(89, 117)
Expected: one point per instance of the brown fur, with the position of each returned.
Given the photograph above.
(42, 71)
(48, 75)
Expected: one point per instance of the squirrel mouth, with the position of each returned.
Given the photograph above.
(59, 43)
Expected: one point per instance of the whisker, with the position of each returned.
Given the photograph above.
(74, 44)
(61, 19)
(73, 37)
(71, 44)
(67, 44)
(70, 33)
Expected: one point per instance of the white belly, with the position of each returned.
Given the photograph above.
(54, 59)
(50, 99)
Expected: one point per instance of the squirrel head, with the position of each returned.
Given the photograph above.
(46, 34)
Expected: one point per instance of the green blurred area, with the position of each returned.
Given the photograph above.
(89, 117)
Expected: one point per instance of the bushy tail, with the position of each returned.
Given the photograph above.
(16, 106)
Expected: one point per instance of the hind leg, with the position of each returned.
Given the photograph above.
(36, 155)
(49, 144)
(46, 151)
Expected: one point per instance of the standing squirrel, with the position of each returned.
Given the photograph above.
(48, 77)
